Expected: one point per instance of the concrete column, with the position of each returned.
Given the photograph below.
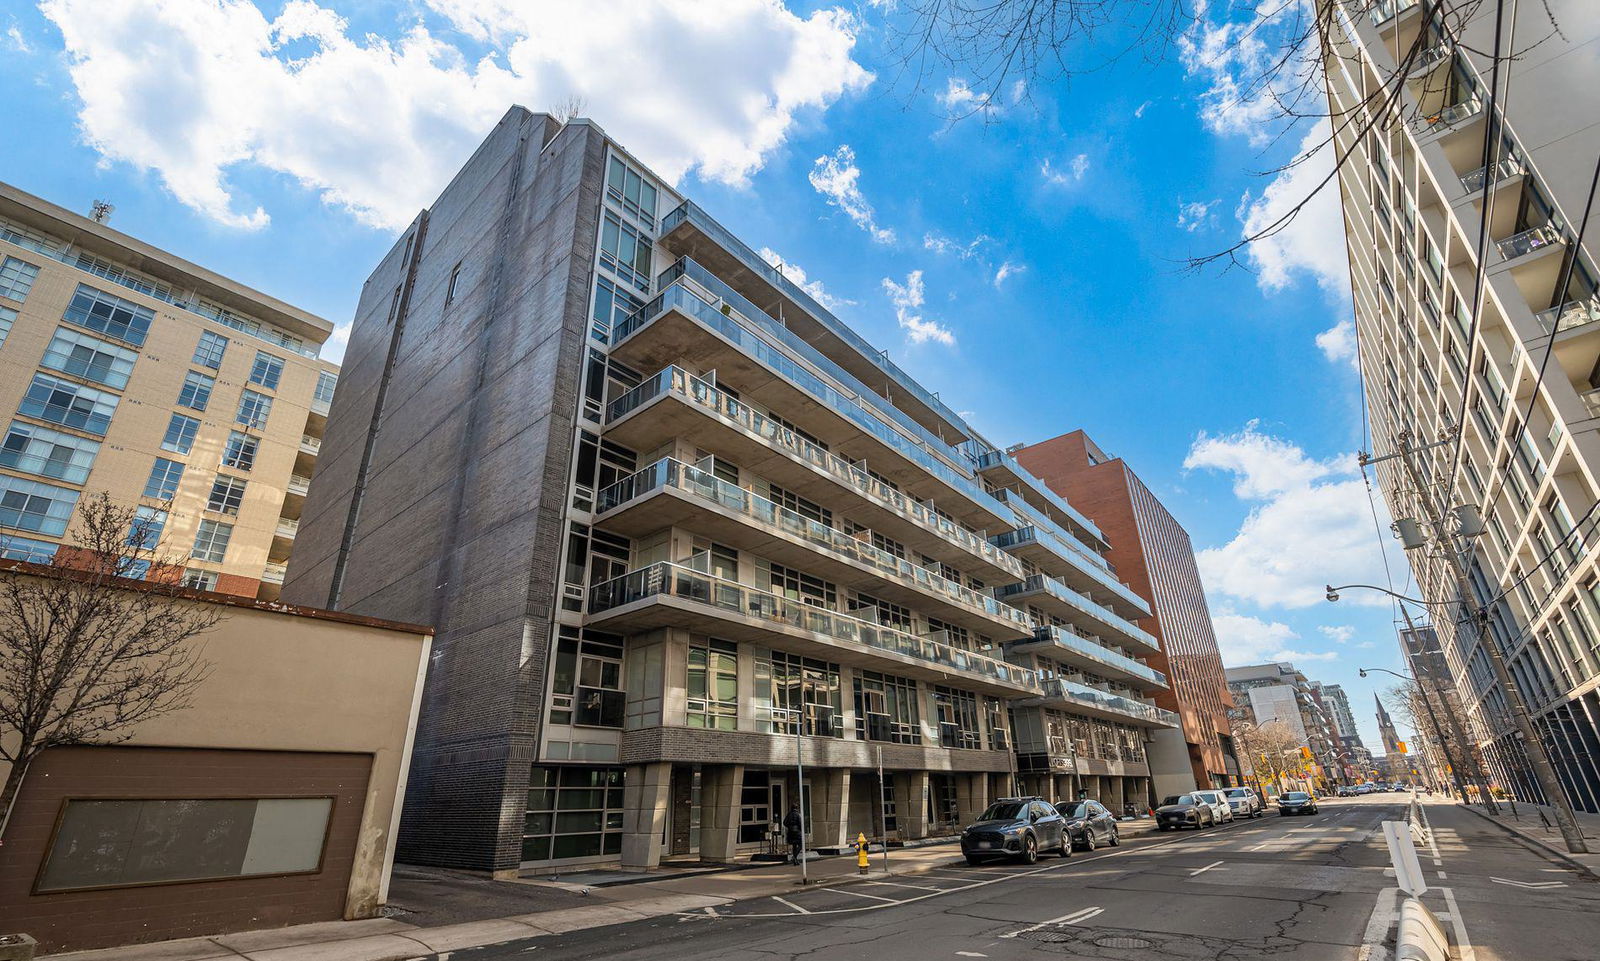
(830, 805)
(645, 796)
(914, 809)
(720, 789)
(972, 796)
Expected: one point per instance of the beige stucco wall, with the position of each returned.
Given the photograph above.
(297, 682)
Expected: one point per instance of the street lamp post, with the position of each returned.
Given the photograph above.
(1436, 517)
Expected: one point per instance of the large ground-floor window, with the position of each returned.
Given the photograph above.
(573, 812)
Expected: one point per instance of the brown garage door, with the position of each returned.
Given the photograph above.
(118, 845)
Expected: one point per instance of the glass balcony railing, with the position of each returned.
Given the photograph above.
(669, 473)
(1591, 401)
(678, 381)
(1431, 57)
(1570, 315)
(1446, 117)
(1064, 549)
(1526, 242)
(1096, 612)
(689, 212)
(1494, 173)
(1100, 654)
(1386, 9)
(992, 458)
(739, 600)
(730, 325)
(1073, 693)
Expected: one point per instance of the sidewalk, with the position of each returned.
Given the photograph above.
(1527, 824)
(509, 910)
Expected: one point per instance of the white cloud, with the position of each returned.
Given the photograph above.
(193, 90)
(14, 39)
(1194, 215)
(907, 299)
(1006, 270)
(1243, 639)
(837, 177)
(960, 100)
(1309, 524)
(797, 275)
(1311, 244)
(1139, 111)
(1337, 633)
(940, 244)
(1076, 168)
(1339, 342)
(334, 347)
(1255, 68)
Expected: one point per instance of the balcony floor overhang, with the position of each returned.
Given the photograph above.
(667, 507)
(659, 611)
(1057, 562)
(1051, 648)
(1052, 603)
(673, 336)
(1071, 705)
(670, 414)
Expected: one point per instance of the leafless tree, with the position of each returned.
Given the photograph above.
(1273, 750)
(1279, 48)
(570, 109)
(87, 653)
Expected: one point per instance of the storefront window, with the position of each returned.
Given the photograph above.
(573, 812)
(713, 685)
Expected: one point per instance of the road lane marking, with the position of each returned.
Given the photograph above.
(897, 884)
(790, 904)
(971, 954)
(1529, 884)
(1204, 869)
(1462, 941)
(1372, 942)
(1082, 914)
(859, 894)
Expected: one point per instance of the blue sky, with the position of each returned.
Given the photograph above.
(1023, 259)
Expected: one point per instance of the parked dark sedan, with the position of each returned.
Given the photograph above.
(1018, 827)
(1296, 802)
(1184, 811)
(1089, 824)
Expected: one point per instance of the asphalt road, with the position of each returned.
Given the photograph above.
(1306, 888)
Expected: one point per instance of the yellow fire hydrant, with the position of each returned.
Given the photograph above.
(861, 852)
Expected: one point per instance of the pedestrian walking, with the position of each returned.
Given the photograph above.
(793, 833)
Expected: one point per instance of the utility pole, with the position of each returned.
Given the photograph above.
(1437, 517)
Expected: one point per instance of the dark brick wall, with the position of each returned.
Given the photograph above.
(459, 523)
(75, 920)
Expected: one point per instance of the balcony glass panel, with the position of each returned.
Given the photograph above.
(1072, 692)
(1501, 169)
(669, 473)
(1072, 598)
(672, 580)
(1446, 117)
(1101, 654)
(1528, 241)
(1384, 9)
(1576, 313)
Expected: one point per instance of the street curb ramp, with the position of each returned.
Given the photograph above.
(1420, 936)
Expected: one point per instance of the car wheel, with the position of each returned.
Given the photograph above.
(1088, 839)
(1065, 850)
(1030, 850)
(1116, 836)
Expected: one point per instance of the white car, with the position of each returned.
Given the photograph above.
(1219, 804)
(1245, 802)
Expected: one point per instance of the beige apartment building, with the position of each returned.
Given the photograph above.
(1475, 302)
(127, 370)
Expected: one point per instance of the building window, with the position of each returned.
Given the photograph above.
(208, 353)
(882, 612)
(253, 410)
(612, 306)
(791, 690)
(145, 531)
(88, 357)
(196, 579)
(239, 452)
(180, 434)
(26, 549)
(958, 718)
(27, 505)
(114, 842)
(625, 252)
(326, 382)
(196, 392)
(7, 318)
(587, 681)
(267, 370)
(805, 508)
(631, 192)
(211, 541)
(48, 453)
(164, 478)
(118, 319)
(713, 685)
(72, 405)
(394, 304)
(226, 495)
(601, 463)
(802, 587)
(450, 288)
(886, 708)
(573, 812)
(16, 278)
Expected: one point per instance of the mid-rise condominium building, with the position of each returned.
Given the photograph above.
(1465, 198)
(1151, 550)
(128, 371)
(676, 522)
(1278, 693)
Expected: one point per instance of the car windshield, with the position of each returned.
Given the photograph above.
(1237, 792)
(1071, 810)
(1185, 799)
(1296, 796)
(1005, 811)
(1206, 797)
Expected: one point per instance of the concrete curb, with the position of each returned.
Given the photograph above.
(1538, 845)
(1419, 935)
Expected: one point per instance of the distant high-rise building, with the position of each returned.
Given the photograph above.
(128, 371)
(1152, 552)
(1477, 314)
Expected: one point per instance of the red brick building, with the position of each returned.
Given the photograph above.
(1150, 551)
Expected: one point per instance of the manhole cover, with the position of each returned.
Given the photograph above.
(1052, 937)
(1121, 942)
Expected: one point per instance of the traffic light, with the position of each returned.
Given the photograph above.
(1400, 746)
(1305, 753)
